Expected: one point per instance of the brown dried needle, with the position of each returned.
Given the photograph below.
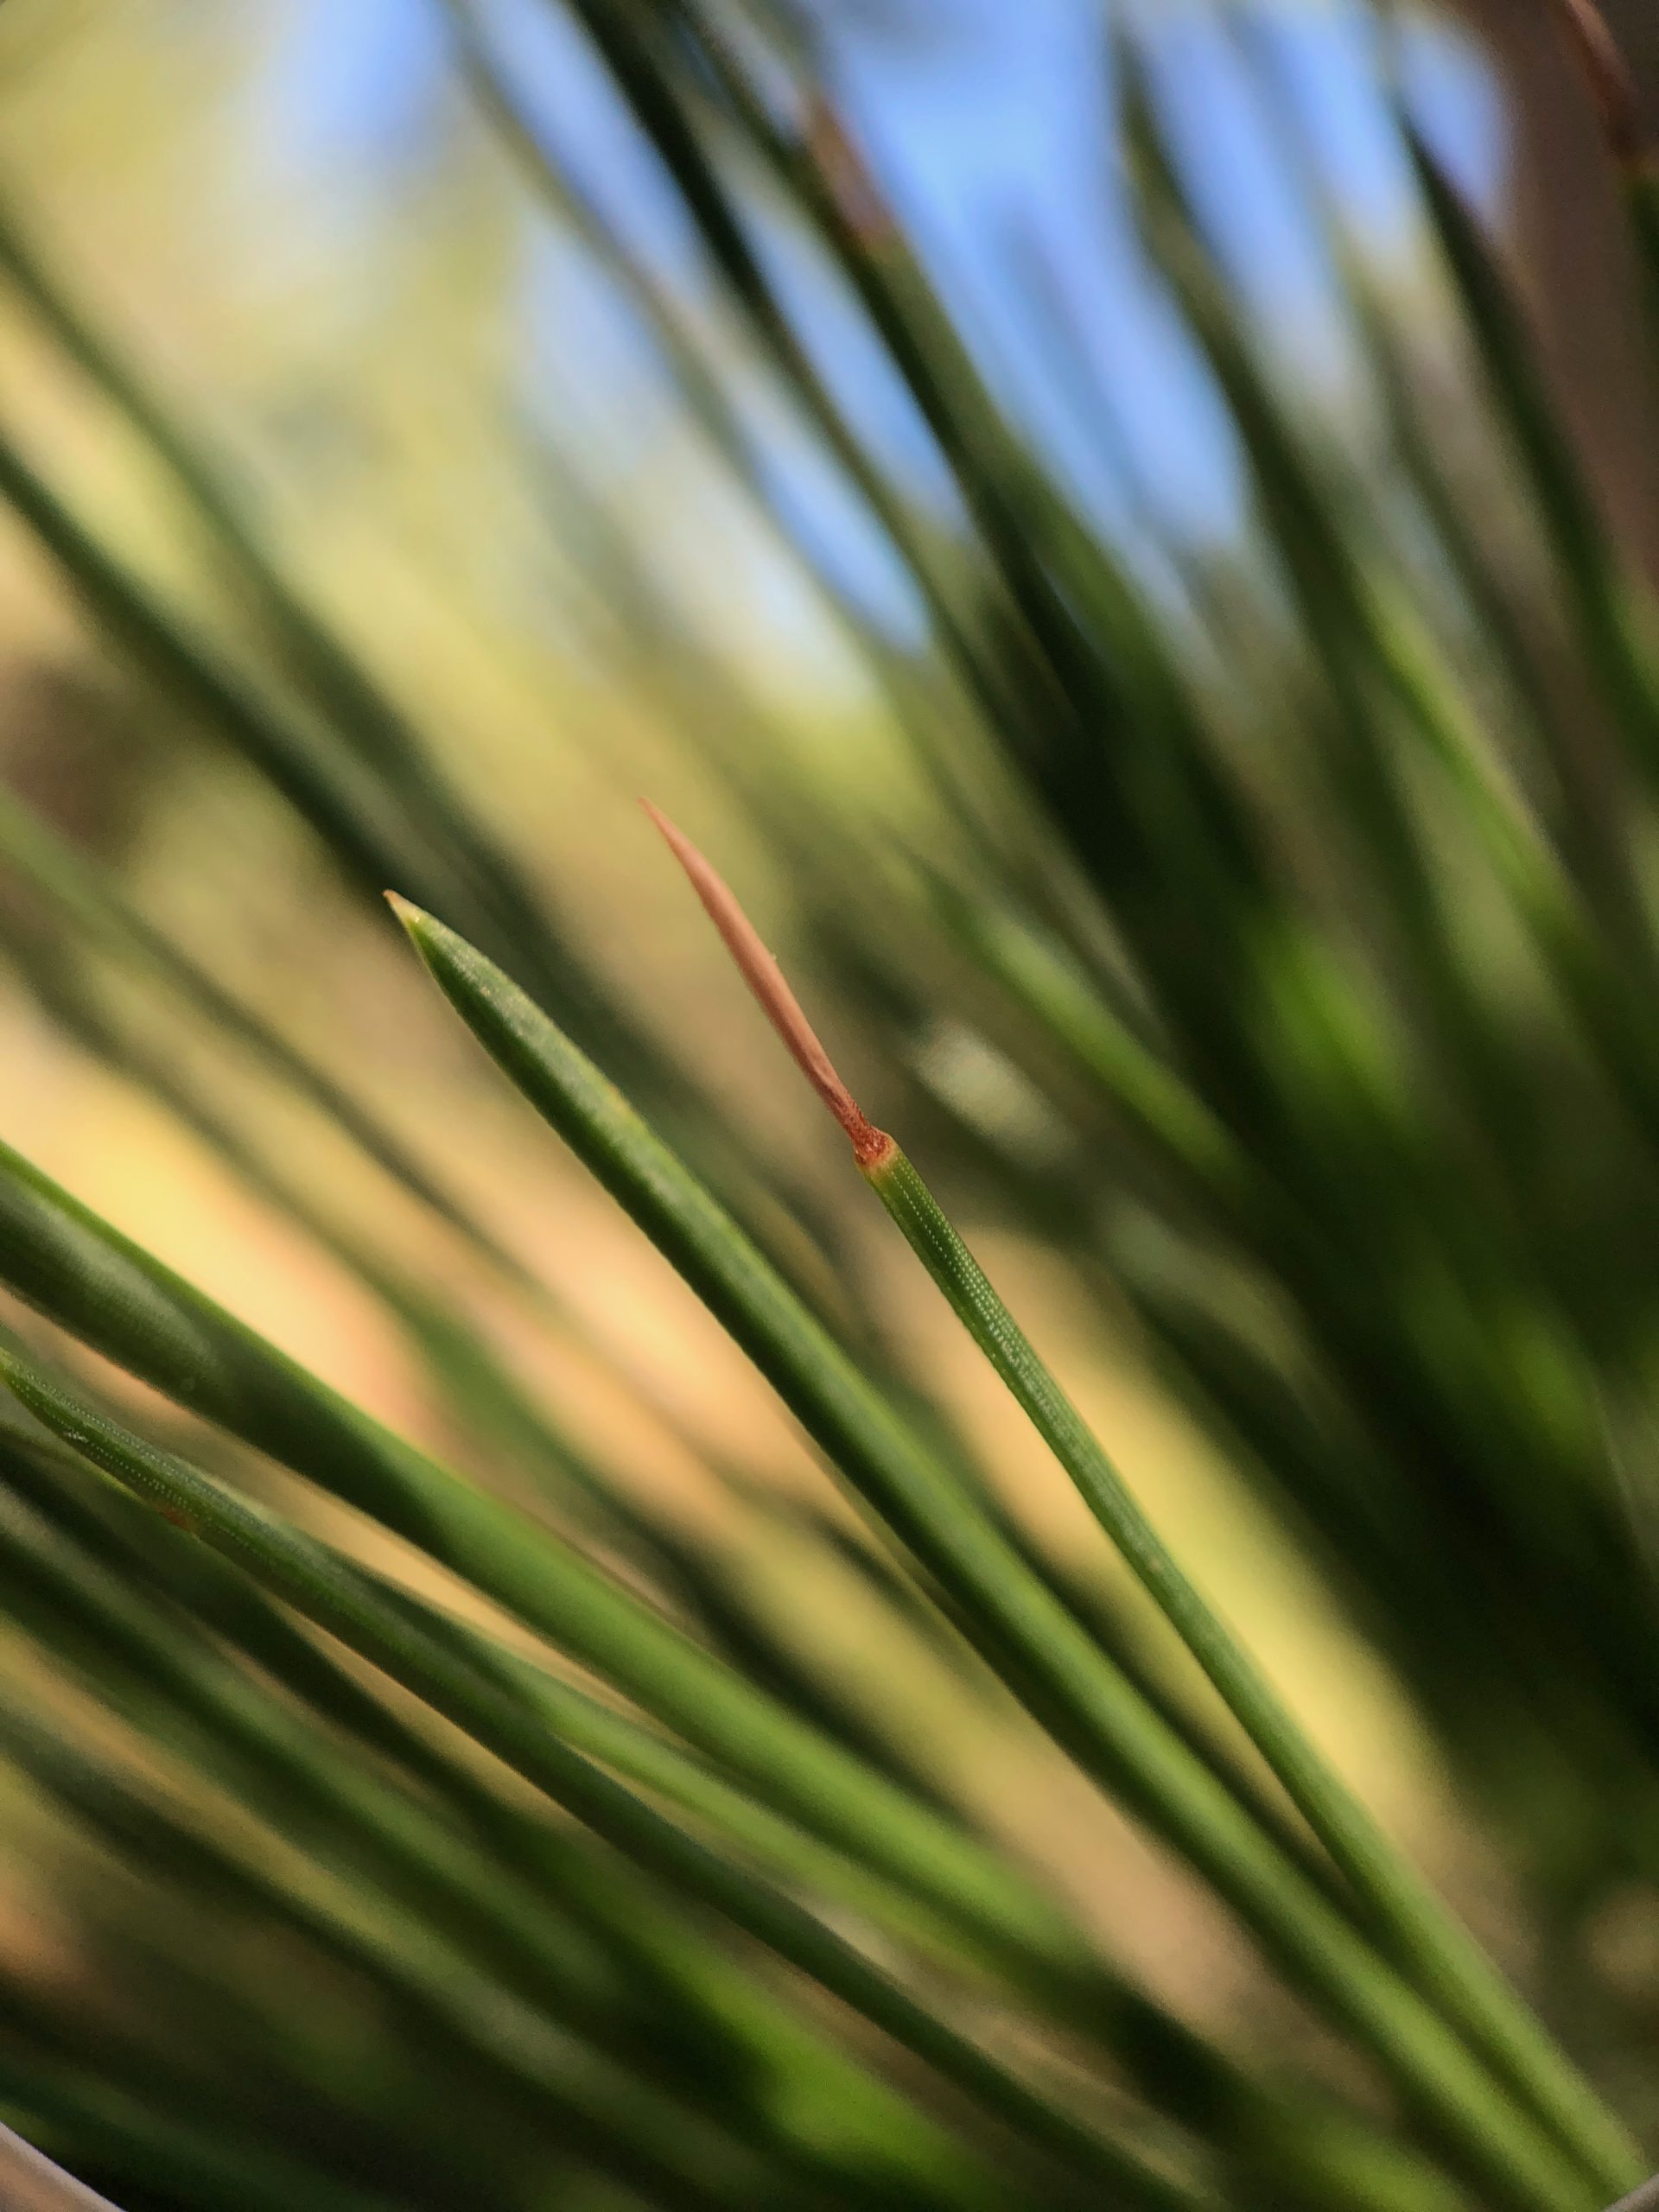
(766, 979)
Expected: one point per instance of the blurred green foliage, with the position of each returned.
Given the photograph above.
(484, 1762)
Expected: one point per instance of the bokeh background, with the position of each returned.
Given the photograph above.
(479, 390)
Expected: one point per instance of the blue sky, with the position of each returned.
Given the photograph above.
(988, 122)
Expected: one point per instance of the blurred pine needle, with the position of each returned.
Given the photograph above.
(1270, 938)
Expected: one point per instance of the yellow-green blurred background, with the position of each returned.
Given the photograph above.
(464, 445)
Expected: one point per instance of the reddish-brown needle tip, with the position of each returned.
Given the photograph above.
(1611, 84)
(766, 979)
